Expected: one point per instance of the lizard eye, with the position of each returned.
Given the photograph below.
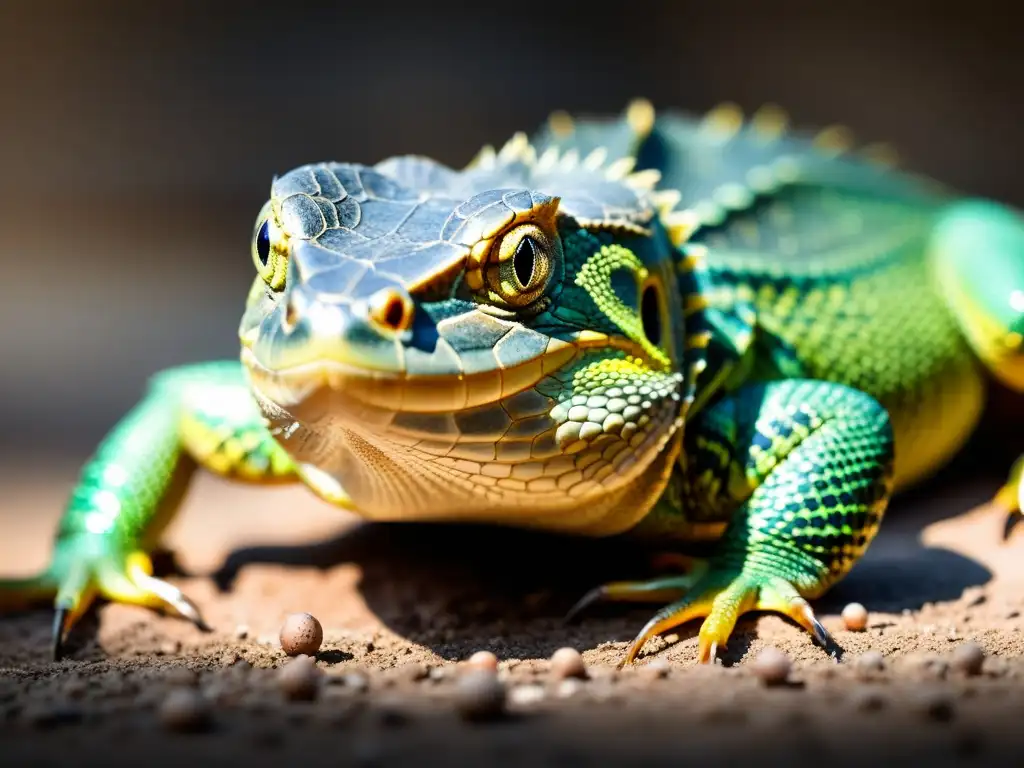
(524, 266)
(268, 252)
(263, 243)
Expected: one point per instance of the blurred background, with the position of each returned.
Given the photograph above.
(138, 140)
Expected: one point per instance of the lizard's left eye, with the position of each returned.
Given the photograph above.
(523, 267)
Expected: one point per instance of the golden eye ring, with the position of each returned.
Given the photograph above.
(269, 253)
(522, 266)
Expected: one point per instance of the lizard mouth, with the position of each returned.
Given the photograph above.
(410, 391)
(395, 392)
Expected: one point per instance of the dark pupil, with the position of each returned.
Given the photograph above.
(263, 243)
(524, 261)
(650, 314)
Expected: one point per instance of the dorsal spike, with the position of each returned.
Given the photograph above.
(666, 200)
(595, 159)
(514, 148)
(485, 158)
(569, 160)
(681, 225)
(620, 169)
(724, 120)
(835, 139)
(548, 159)
(644, 180)
(640, 115)
(769, 122)
(561, 123)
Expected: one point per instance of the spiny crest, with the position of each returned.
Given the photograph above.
(770, 123)
(595, 189)
(518, 149)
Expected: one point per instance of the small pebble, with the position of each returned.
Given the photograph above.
(654, 670)
(480, 695)
(170, 648)
(772, 666)
(870, 663)
(968, 658)
(299, 679)
(526, 695)
(567, 662)
(568, 687)
(855, 617)
(357, 681)
(483, 660)
(301, 633)
(184, 710)
(995, 666)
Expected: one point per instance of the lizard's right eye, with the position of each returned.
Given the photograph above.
(270, 253)
(263, 243)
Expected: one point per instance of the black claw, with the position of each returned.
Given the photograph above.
(825, 640)
(60, 618)
(593, 596)
(1010, 523)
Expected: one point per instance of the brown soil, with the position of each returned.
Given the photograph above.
(404, 604)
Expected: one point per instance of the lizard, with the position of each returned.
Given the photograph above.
(677, 328)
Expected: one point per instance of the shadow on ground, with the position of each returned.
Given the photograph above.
(450, 587)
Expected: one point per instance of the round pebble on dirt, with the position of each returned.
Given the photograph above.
(483, 660)
(855, 617)
(480, 695)
(870, 663)
(654, 670)
(568, 663)
(299, 679)
(301, 633)
(772, 666)
(968, 658)
(184, 710)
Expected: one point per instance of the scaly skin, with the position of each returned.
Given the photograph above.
(547, 342)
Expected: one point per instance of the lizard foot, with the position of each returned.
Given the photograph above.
(717, 594)
(1011, 498)
(76, 577)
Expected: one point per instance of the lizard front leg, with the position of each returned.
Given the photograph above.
(131, 487)
(803, 472)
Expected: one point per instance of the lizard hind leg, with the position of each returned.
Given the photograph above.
(806, 468)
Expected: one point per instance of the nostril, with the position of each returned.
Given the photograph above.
(391, 310)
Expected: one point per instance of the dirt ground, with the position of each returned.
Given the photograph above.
(401, 606)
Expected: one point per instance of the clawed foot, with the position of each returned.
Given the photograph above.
(718, 595)
(76, 578)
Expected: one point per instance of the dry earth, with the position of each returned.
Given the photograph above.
(401, 606)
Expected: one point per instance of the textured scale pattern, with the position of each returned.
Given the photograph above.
(809, 467)
(721, 331)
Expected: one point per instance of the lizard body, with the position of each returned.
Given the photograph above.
(654, 326)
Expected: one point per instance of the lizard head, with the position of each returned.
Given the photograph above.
(500, 343)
